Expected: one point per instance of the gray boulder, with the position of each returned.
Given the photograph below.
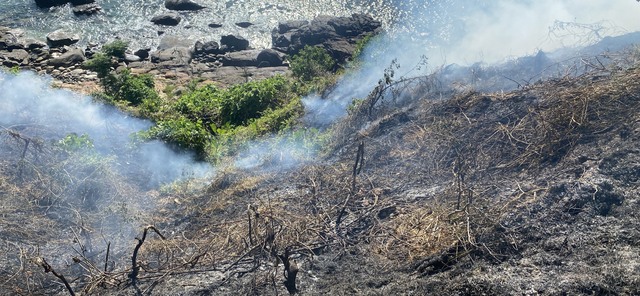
(244, 24)
(290, 26)
(19, 56)
(167, 19)
(130, 58)
(61, 38)
(233, 43)
(182, 5)
(32, 44)
(7, 39)
(206, 48)
(245, 58)
(337, 34)
(51, 3)
(69, 58)
(143, 53)
(86, 9)
(172, 57)
(269, 58)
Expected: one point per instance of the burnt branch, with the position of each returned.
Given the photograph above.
(47, 268)
(134, 259)
(290, 271)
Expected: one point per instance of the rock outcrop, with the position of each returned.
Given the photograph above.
(233, 43)
(172, 52)
(86, 9)
(227, 61)
(336, 34)
(69, 58)
(60, 38)
(242, 58)
(206, 48)
(80, 7)
(182, 5)
(269, 58)
(167, 19)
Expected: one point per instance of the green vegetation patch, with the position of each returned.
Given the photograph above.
(211, 121)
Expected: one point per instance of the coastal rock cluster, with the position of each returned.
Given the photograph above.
(229, 60)
(80, 7)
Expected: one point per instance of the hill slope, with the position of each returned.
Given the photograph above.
(421, 190)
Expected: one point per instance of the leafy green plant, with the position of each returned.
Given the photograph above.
(310, 62)
(72, 142)
(116, 48)
(247, 101)
(124, 86)
(101, 64)
(215, 122)
(355, 104)
(15, 70)
(361, 45)
(181, 132)
(234, 106)
(134, 88)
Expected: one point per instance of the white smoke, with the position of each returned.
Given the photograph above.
(468, 32)
(29, 104)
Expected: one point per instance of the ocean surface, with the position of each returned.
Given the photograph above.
(130, 19)
(460, 31)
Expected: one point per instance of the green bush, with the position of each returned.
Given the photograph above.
(181, 132)
(202, 103)
(247, 101)
(72, 142)
(116, 48)
(361, 45)
(101, 64)
(134, 88)
(312, 62)
(235, 106)
(215, 122)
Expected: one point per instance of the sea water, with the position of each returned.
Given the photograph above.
(130, 19)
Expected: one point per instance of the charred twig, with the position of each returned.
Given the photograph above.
(47, 268)
(357, 167)
(252, 250)
(251, 209)
(134, 259)
(290, 271)
(106, 259)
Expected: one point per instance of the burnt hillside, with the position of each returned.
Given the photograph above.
(420, 190)
(534, 191)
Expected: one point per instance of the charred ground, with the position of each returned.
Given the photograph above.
(420, 190)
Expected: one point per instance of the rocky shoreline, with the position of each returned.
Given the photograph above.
(227, 61)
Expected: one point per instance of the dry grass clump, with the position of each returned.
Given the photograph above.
(419, 232)
(570, 111)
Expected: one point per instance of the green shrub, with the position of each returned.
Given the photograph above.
(116, 48)
(72, 142)
(181, 132)
(361, 45)
(312, 62)
(235, 106)
(101, 64)
(134, 88)
(247, 101)
(202, 103)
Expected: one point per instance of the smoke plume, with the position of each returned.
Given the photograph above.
(472, 33)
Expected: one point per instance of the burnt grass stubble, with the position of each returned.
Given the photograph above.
(421, 191)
